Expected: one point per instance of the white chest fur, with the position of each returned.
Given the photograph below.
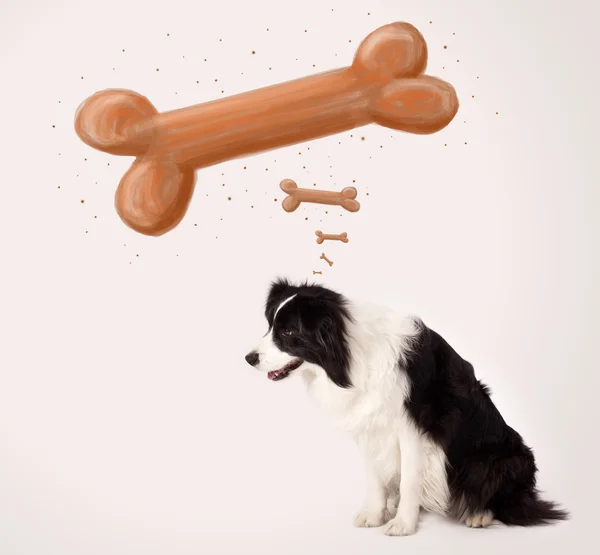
(372, 411)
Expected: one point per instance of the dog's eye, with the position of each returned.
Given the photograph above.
(287, 332)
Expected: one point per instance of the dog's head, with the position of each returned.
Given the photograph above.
(307, 326)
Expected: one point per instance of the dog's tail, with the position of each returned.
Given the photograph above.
(529, 510)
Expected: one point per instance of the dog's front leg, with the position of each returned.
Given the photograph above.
(375, 512)
(406, 519)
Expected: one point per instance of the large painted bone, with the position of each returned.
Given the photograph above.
(384, 85)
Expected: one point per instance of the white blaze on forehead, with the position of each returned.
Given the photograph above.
(282, 305)
(270, 356)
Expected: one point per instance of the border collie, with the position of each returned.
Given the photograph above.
(430, 434)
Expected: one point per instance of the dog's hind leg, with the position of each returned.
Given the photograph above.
(481, 519)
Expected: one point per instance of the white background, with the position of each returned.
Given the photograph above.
(129, 421)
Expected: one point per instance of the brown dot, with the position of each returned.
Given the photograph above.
(82, 201)
(445, 46)
(244, 167)
(430, 22)
(157, 69)
(473, 96)
(362, 138)
(458, 60)
(123, 50)
(348, 41)
(367, 194)
(205, 60)
(465, 142)
(496, 113)
(305, 31)
(326, 212)
(54, 127)
(195, 225)
(168, 35)
(95, 217)
(446, 144)
(254, 52)
(228, 198)
(59, 186)
(82, 77)
(305, 219)
(275, 199)
(266, 169)
(252, 206)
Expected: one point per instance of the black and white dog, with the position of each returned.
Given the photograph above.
(429, 431)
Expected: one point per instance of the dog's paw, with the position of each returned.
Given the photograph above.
(400, 527)
(371, 519)
(480, 520)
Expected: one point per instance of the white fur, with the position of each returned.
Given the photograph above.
(373, 412)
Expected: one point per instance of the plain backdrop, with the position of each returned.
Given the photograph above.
(129, 421)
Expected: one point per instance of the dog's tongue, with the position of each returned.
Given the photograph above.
(274, 373)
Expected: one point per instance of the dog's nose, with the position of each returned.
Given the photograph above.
(252, 358)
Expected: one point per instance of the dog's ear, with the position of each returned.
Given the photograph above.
(336, 355)
(278, 292)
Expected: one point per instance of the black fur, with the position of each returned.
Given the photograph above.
(489, 467)
(312, 326)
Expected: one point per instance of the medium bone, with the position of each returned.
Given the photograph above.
(384, 85)
(343, 237)
(345, 198)
(323, 257)
(315, 272)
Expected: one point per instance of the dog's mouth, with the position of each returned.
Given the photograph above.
(276, 375)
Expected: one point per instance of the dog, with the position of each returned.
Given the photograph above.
(430, 434)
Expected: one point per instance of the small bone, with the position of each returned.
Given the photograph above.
(315, 272)
(384, 85)
(296, 196)
(323, 257)
(343, 237)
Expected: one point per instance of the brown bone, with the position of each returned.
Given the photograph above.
(323, 257)
(343, 237)
(345, 198)
(384, 85)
